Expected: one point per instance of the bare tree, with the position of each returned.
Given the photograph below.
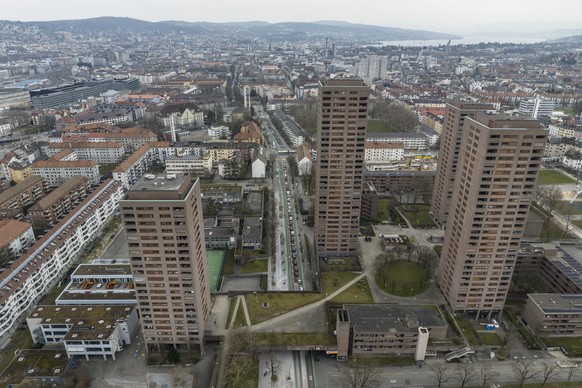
(243, 342)
(549, 371)
(550, 198)
(236, 371)
(360, 374)
(523, 372)
(425, 256)
(179, 379)
(441, 373)
(273, 365)
(509, 336)
(464, 374)
(488, 376)
(410, 249)
(570, 372)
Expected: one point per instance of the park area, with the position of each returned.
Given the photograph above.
(554, 177)
(403, 278)
(418, 216)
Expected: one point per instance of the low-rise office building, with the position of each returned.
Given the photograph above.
(554, 315)
(382, 329)
(85, 330)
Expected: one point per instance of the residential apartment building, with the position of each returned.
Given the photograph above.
(383, 152)
(23, 194)
(84, 330)
(341, 134)
(48, 210)
(455, 114)
(102, 152)
(219, 132)
(292, 130)
(15, 236)
(536, 107)
(56, 172)
(133, 168)
(162, 217)
(497, 167)
(197, 165)
(32, 274)
(410, 140)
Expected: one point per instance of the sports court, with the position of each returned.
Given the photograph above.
(215, 262)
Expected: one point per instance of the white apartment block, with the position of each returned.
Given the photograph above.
(5, 129)
(113, 119)
(219, 132)
(102, 153)
(383, 152)
(84, 330)
(56, 172)
(194, 164)
(410, 140)
(34, 273)
(536, 107)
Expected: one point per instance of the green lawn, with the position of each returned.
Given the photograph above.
(578, 223)
(357, 293)
(380, 126)
(382, 214)
(20, 340)
(258, 265)
(573, 345)
(468, 330)
(490, 338)
(553, 177)
(279, 303)
(403, 278)
(332, 281)
(418, 215)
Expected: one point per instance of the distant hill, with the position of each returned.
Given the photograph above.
(251, 29)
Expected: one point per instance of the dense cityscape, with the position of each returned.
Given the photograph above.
(306, 204)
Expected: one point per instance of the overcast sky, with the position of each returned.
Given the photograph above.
(440, 15)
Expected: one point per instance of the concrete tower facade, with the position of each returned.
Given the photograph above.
(496, 171)
(162, 217)
(341, 135)
(455, 114)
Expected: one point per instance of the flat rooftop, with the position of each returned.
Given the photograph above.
(35, 363)
(102, 270)
(87, 322)
(383, 317)
(558, 303)
(160, 182)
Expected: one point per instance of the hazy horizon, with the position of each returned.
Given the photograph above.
(449, 16)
